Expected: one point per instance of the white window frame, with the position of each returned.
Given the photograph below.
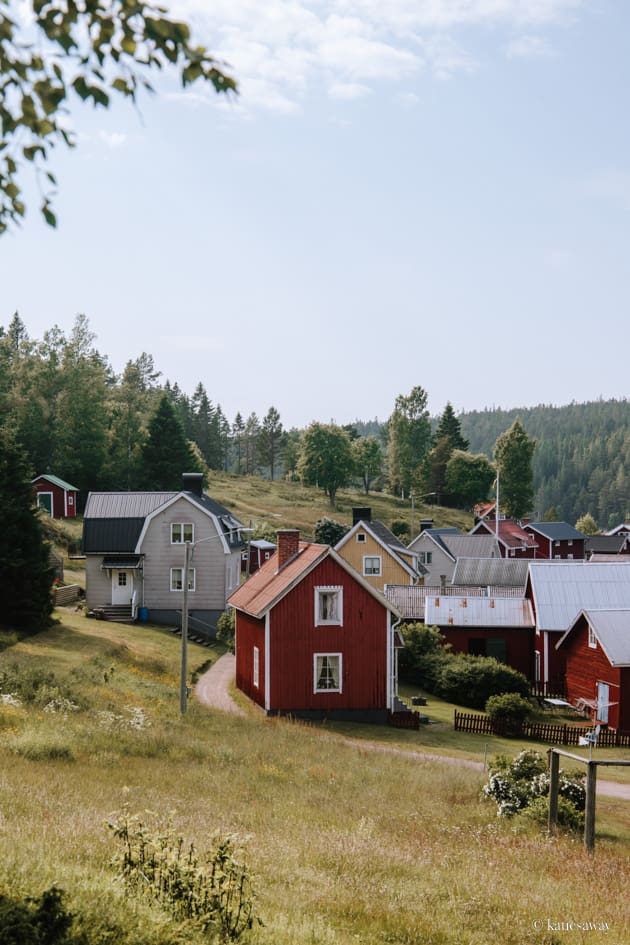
(338, 620)
(339, 658)
(361, 537)
(256, 668)
(367, 573)
(425, 557)
(592, 639)
(191, 580)
(182, 540)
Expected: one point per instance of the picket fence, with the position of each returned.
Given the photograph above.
(540, 731)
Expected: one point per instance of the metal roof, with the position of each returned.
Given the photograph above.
(472, 546)
(508, 572)
(124, 504)
(56, 481)
(612, 629)
(478, 611)
(557, 531)
(561, 589)
(111, 535)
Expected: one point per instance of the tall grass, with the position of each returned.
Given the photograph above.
(345, 844)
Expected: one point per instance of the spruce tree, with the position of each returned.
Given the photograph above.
(25, 572)
(449, 426)
(167, 453)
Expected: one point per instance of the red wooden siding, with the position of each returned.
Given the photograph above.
(61, 507)
(585, 667)
(250, 633)
(362, 641)
(519, 643)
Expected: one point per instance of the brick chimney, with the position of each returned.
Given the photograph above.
(288, 545)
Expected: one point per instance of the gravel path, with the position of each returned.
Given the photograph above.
(212, 690)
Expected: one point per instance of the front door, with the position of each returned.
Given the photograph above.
(603, 701)
(122, 587)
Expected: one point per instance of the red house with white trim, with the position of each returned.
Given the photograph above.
(314, 639)
(597, 651)
(55, 496)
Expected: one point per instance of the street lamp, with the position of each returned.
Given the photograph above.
(189, 547)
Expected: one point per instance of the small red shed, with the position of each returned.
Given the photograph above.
(313, 638)
(55, 496)
(597, 650)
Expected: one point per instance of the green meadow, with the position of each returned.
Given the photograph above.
(345, 843)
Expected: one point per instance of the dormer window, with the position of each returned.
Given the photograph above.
(592, 639)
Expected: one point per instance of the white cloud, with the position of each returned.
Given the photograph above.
(529, 47)
(113, 139)
(282, 51)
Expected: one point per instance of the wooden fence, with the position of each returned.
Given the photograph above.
(67, 594)
(540, 731)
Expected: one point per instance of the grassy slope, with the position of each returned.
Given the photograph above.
(347, 844)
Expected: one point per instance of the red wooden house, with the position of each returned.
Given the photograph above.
(557, 540)
(55, 496)
(313, 638)
(597, 651)
(513, 540)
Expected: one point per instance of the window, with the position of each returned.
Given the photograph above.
(70, 500)
(256, 671)
(425, 557)
(177, 579)
(328, 606)
(122, 579)
(361, 537)
(181, 532)
(327, 669)
(371, 566)
(570, 543)
(592, 639)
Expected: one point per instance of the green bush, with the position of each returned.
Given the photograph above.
(226, 628)
(511, 709)
(424, 655)
(471, 680)
(40, 921)
(328, 531)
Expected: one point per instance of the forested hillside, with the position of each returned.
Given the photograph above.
(582, 456)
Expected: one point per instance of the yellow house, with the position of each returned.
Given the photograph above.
(375, 552)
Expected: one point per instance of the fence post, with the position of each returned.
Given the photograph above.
(589, 813)
(554, 780)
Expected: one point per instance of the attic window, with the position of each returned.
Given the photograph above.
(328, 606)
(425, 557)
(592, 639)
(181, 532)
(361, 536)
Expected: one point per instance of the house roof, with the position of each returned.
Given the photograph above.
(114, 521)
(605, 544)
(612, 630)
(561, 589)
(472, 546)
(386, 538)
(262, 591)
(56, 481)
(498, 572)
(556, 531)
(510, 533)
(622, 529)
(478, 611)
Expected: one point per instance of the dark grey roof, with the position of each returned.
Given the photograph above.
(472, 546)
(439, 535)
(111, 535)
(121, 561)
(556, 531)
(605, 544)
(386, 536)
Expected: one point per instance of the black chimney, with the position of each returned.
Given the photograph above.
(193, 482)
(361, 515)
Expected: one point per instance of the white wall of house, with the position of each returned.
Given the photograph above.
(440, 563)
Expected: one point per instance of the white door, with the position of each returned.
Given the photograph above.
(122, 587)
(603, 701)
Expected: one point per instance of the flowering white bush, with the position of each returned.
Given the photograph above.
(514, 784)
(9, 698)
(61, 706)
(135, 719)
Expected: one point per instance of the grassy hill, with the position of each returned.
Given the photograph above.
(347, 845)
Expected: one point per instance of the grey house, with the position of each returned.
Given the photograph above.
(439, 549)
(134, 543)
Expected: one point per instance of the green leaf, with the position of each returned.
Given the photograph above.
(49, 216)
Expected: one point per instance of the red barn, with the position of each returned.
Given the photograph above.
(55, 496)
(313, 638)
(597, 650)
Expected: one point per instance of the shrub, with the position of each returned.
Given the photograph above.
(400, 528)
(424, 655)
(40, 921)
(471, 680)
(328, 532)
(522, 785)
(511, 709)
(226, 628)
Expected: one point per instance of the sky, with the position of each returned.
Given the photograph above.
(408, 192)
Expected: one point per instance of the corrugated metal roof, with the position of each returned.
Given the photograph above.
(478, 611)
(111, 535)
(472, 546)
(561, 589)
(508, 572)
(124, 504)
(612, 629)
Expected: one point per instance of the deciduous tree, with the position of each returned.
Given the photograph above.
(513, 455)
(468, 478)
(326, 458)
(82, 51)
(409, 430)
(368, 460)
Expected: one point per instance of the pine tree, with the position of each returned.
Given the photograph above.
(271, 440)
(450, 427)
(25, 572)
(167, 453)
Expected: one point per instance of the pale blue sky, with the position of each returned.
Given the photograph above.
(431, 192)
